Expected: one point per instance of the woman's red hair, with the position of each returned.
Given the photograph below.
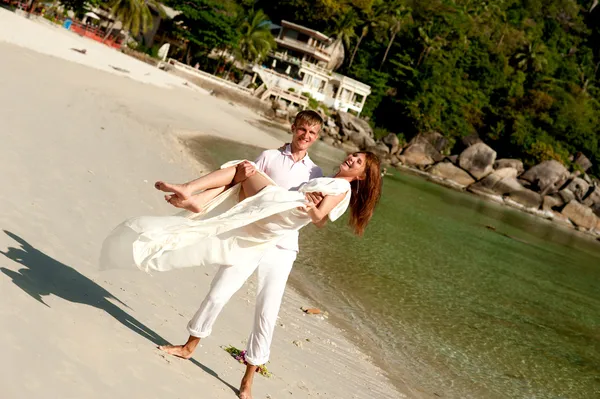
(365, 194)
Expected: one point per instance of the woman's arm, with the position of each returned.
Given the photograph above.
(318, 214)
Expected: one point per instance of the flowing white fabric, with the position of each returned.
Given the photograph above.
(226, 233)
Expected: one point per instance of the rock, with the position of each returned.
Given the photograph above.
(421, 141)
(566, 195)
(380, 149)
(349, 147)
(451, 172)
(297, 343)
(330, 122)
(392, 141)
(580, 214)
(489, 182)
(509, 163)
(579, 188)
(348, 122)
(582, 161)
(452, 158)
(415, 159)
(423, 147)
(588, 179)
(593, 200)
(470, 140)
(508, 185)
(546, 177)
(361, 139)
(526, 197)
(394, 160)
(551, 202)
(437, 140)
(478, 160)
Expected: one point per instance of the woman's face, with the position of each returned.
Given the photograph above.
(354, 166)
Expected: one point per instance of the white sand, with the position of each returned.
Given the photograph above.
(80, 149)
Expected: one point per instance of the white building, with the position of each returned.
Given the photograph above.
(301, 64)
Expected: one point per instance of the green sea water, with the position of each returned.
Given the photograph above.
(451, 295)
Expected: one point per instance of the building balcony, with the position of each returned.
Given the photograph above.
(303, 47)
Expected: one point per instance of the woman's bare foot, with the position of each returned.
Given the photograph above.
(180, 190)
(176, 350)
(191, 204)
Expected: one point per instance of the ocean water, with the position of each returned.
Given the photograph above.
(453, 296)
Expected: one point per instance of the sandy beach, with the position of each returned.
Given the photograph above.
(82, 144)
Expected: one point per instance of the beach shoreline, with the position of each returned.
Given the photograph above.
(85, 146)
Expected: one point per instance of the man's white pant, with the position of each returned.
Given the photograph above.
(273, 270)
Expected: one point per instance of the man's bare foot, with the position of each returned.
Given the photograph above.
(189, 204)
(176, 350)
(180, 190)
(245, 391)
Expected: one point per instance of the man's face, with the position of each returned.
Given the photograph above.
(304, 135)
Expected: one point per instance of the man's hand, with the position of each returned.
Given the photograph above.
(243, 171)
(315, 198)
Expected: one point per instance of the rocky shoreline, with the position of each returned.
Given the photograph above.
(548, 190)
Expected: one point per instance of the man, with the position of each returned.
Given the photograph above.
(289, 167)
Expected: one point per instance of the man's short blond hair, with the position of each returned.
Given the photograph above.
(309, 117)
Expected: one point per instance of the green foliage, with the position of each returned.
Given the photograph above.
(205, 24)
(255, 39)
(135, 15)
(524, 76)
(312, 102)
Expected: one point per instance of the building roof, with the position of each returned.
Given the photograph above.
(305, 30)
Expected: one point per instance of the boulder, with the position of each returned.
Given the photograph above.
(428, 147)
(451, 172)
(350, 124)
(392, 141)
(415, 159)
(526, 197)
(579, 188)
(546, 177)
(508, 185)
(580, 214)
(489, 182)
(566, 195)
(588, 179)
(452, 158)
(361, 139)
(469, 140)
(593, 200)
(437, 140)
(424, 147)
(330, 122)
(582, 161)
(478, 160)
(551, 202)
(509, 163)
(380, 149)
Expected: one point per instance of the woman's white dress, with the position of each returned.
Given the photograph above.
(226, 233)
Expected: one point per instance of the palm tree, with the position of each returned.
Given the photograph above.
(372, 20)
(134, 15)
(397, 16)
(255, 40)
(344, 31)
(532, 57)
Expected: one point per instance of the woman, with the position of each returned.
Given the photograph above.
(225, 231)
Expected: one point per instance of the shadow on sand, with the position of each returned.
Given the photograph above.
(43, 275)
